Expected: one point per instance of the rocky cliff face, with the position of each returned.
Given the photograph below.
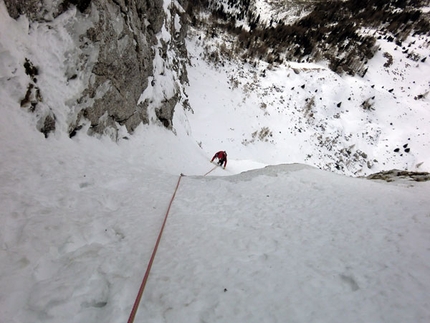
(121, 49)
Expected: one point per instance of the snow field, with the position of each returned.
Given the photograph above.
(291, 243)
(313, 115)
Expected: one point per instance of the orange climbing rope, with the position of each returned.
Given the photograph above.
(148, 269)
(210, 170)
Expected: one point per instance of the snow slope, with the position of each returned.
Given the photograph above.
(289, 242)
(283, 243)
(312, 115)
(292, 244)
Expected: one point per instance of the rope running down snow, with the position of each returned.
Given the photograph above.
(210, 170)
(148, 269)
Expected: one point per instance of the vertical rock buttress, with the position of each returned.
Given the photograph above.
(115, 59)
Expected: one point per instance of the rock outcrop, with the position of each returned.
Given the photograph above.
(117, 42)
(396, 174)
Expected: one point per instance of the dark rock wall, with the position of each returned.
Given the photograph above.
(114, 58)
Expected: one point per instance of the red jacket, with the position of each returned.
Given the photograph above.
(222, 157)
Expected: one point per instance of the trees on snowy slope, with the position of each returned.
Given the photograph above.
(331, 31)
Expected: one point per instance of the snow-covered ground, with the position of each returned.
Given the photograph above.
(306, 113)
(287, 11)
(284, 243)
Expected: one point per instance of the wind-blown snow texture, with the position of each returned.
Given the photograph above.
(285, 243)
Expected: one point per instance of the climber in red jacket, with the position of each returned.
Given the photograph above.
(222, 158)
